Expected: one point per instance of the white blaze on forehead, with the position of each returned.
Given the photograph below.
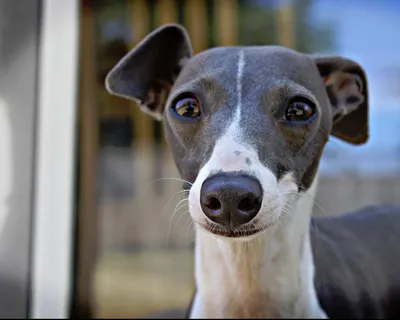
(239, 85)
(233, 131)
(229, 153)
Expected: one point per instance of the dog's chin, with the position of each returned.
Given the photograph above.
(242, 233)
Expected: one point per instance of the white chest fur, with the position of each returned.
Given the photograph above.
(268, 276)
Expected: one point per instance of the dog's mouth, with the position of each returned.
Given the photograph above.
(241, 232)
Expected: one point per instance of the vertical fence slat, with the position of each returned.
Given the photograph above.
(87, 222)
(285, 25)
(139, 22)
(166, 12)
(226, 22)
(195, 21)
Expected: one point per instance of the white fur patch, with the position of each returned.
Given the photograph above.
(239, 84)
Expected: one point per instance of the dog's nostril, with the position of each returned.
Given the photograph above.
(248, 204)
(213, 203)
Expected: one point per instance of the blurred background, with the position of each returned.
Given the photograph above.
(133, 238)
(144, 260)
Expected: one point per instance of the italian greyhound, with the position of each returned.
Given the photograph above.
(247, 126)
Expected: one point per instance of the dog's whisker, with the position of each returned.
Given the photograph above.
(162, 179)
(190, 222)
(172, 198)
(313, 200)
(183, 203)
(181, 216)
(189, 228)
(279, 222)
(171, 218)
(288, 209)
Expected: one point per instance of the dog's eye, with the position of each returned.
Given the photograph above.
(299, 110)
(187, 107)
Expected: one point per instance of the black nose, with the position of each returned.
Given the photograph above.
(231, 200)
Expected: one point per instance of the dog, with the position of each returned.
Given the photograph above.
(247, 126)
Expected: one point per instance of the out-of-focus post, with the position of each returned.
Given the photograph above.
(87, 229)
(226, 22)
(285, 21)
(139, 21)
(195, 20)
(166, 12)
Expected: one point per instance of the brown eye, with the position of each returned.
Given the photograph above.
(187, 107)
(299, 110)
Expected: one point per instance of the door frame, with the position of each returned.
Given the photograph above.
(55, 167)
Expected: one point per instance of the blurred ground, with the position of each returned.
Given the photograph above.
(143, 283)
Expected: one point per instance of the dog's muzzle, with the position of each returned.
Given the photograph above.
(231, 200)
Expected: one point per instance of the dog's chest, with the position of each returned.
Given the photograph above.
(251, 305)
(242, 292)
(237, 304)
(230, 283)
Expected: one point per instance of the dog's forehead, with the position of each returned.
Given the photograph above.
(266, 63)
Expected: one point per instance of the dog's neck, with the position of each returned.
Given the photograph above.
(270, 276)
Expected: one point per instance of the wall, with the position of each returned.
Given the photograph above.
(18, 62)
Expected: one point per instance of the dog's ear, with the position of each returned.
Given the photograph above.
(346, 85)
(146, 74)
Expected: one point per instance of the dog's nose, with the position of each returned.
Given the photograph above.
(231, 200)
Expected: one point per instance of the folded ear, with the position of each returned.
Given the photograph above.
(346, 84)
(146, 74)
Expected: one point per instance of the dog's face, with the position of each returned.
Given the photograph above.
(246, 125)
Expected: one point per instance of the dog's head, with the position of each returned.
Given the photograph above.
(246, 125)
